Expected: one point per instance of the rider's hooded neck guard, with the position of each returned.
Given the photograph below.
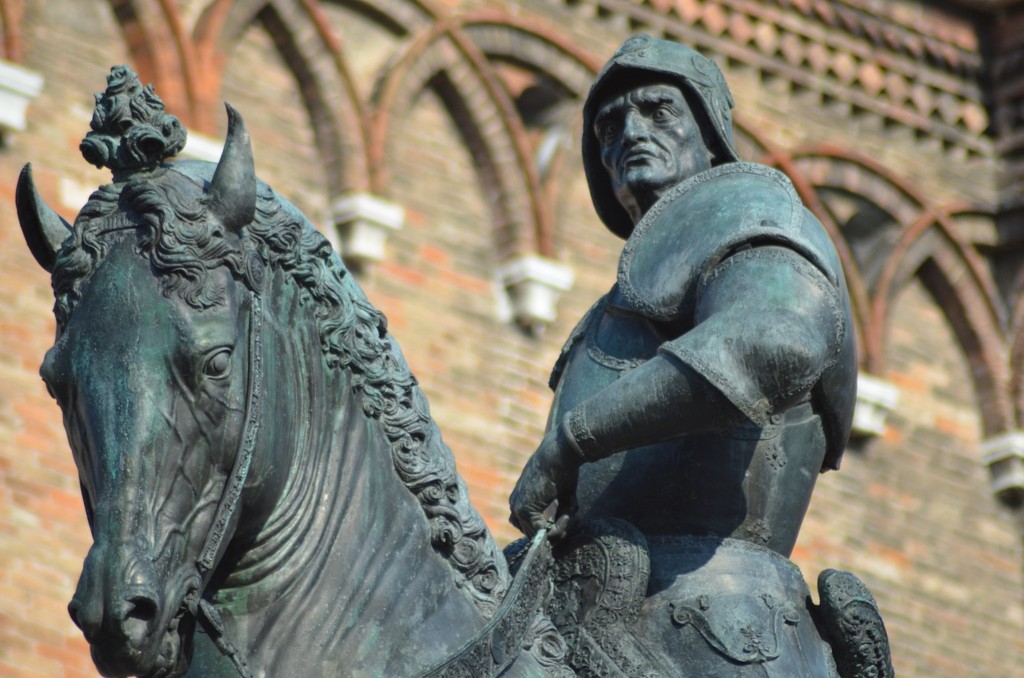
(643, 57)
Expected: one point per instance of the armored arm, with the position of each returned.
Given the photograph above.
(767, 324)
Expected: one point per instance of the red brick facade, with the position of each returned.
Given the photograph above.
(901, 123)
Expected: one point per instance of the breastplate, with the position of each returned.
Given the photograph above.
(748, 482)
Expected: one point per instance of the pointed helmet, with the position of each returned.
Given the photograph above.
(697, 76)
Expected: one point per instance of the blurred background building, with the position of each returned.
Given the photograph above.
(436, 142)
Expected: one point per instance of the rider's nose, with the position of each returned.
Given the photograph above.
(634, 128)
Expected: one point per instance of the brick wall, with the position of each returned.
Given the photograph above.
(43, 533)
(910, 512)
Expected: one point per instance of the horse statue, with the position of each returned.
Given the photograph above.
(267, 492)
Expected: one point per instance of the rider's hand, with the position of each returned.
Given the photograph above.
(549, 475)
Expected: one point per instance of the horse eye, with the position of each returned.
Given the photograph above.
(218, 364)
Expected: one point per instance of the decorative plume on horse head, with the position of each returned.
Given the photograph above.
(131, 130)
(267, 492)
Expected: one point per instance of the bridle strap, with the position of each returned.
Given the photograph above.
(204, 611)
(228, 506)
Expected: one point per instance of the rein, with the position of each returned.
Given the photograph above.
(497, 645)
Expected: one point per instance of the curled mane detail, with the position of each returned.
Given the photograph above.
(183, 246)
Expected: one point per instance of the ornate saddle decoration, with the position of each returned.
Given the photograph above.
(600, 582)
(743, 644)
(853, 624)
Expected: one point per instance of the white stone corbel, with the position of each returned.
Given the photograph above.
(18, 87)
(534, 284)
(1004, 456)
(876, 398)
(201, 147)
(364, 222)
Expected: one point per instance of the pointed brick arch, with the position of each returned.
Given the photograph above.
(167, 63)
(445, 59)
(400, 17)
(942, 274)
(313, 54)
(311, 51)
(535, 45)
(928, 246)
(540, 49)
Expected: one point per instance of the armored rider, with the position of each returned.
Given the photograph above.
(698, 400)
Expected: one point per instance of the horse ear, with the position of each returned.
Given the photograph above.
(43, 228)
(232, 193)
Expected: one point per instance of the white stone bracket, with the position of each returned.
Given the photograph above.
(1004, 456)
(876, 398)
(202, 147)
(533, 285)
(18, 87)
(364, 222)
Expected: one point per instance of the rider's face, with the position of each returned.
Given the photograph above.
(650, 142)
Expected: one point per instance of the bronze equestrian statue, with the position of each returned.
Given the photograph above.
(268, 495)
(696, 402)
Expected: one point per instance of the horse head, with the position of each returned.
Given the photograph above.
(210, 489)
(157, 350)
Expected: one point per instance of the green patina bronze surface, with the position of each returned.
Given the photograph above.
(269, 496)
(697, 401)
(267, 492)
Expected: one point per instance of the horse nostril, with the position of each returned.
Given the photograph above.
(138, 616)
(142, 608)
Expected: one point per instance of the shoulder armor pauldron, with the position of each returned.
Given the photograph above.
(699, 223)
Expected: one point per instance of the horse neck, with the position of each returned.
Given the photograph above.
(345, 533)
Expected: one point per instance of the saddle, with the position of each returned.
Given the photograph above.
(710, 607)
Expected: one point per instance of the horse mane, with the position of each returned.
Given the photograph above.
(165, 211)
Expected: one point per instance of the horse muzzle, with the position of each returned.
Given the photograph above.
(122, 609)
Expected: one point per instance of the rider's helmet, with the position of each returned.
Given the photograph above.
(700, 81)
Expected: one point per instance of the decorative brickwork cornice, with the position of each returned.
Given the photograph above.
(890, 26)
(1007, 77)
(925, 81)
(989, 5)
